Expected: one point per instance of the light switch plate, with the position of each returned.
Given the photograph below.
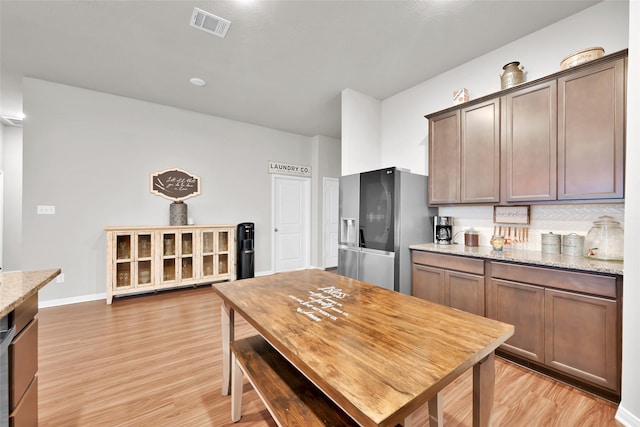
(46, 210)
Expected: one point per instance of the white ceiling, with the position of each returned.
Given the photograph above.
(283, 64)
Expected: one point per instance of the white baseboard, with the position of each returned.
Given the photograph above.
(626, 418)
(264, 273)
(72, 300)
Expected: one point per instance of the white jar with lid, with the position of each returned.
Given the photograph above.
(550, 243)
(573, 244)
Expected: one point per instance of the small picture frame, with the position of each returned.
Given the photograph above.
(513, 214)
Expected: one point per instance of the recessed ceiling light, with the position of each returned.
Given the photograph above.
(197, 81)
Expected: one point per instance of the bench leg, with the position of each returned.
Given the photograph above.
(227, 323)
(436, 414)
(484, 373)
(236, 390)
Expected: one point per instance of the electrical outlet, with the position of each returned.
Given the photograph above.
(46, 210)
(60, 278)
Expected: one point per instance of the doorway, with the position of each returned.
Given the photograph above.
(291, 223)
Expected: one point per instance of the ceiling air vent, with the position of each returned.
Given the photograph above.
(11, 121)
(210, 23)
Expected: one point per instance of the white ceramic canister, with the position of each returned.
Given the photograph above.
(573, 244)
(551, 243)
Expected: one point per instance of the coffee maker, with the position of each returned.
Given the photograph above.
(442, 230)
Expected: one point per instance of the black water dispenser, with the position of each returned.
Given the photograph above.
(245, 255)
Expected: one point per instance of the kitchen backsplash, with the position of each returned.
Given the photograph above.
(558, 219)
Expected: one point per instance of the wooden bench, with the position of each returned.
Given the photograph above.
(290, 398)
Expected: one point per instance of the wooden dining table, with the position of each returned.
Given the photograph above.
(378, 354)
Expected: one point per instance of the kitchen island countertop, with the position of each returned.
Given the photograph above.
(17, 286)
(524, 256)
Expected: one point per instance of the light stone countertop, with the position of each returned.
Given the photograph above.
(527, 257)
(17, 286)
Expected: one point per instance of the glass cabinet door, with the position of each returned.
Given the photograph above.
(186, 255)
(123, 275)
(169, 257)
(124, 262)
(223, 252)
(208, 246)
(144, 258)
(178, 256)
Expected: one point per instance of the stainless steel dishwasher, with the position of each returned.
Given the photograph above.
(6, 336)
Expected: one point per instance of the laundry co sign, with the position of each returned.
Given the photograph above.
(289, 169)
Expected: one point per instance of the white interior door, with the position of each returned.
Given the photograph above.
(330, 222)
(291, 228)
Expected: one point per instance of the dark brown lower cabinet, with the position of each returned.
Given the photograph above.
(26, 413)
(523, 307)
(23, 365)
(580, 337)
(568, 322)
(453, 281)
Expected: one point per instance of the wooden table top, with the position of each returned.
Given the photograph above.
(378, 354)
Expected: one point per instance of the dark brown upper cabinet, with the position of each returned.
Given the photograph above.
(591, 109)
(444, 158)
(530, 143)
(557, 138)
(464, 155)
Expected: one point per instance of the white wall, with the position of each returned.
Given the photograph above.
(361, 128)
(629, 410)
(90, 154)
(326, 163)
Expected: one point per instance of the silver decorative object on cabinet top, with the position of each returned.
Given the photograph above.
(513, 75)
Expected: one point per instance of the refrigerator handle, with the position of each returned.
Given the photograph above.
(363, 244)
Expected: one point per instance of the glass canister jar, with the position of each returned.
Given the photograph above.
(498, 243)
(471, 237)
(605, 240)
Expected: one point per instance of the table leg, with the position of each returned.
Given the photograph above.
(484, 374)
(227, 323)
(436, 413)
(236, 390)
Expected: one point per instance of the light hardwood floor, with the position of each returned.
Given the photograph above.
(155, 360)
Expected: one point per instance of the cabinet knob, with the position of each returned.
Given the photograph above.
(275, 229)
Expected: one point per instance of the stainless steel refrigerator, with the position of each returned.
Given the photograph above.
(382, 212)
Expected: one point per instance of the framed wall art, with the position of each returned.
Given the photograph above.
(516, 214)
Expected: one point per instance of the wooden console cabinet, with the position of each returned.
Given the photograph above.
(453, 281)
(143, 259)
